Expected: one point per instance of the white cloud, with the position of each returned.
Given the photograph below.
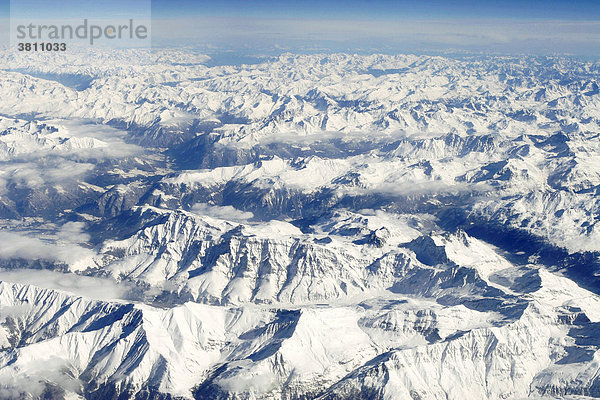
(222, 212)
(73, 232)
(86, 286)
(19, 245)
(59, 158)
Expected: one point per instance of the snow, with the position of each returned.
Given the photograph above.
(314, 226)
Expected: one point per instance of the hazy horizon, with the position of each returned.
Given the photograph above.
(537, 28)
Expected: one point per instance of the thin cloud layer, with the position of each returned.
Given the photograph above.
(19, 245)
(480, 35)
(86, 286)
(222, 212)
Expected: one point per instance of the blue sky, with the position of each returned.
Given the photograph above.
(265, 26)
(383, 9)
(375, 9)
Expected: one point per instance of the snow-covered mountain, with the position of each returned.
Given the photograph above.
(312, 226)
